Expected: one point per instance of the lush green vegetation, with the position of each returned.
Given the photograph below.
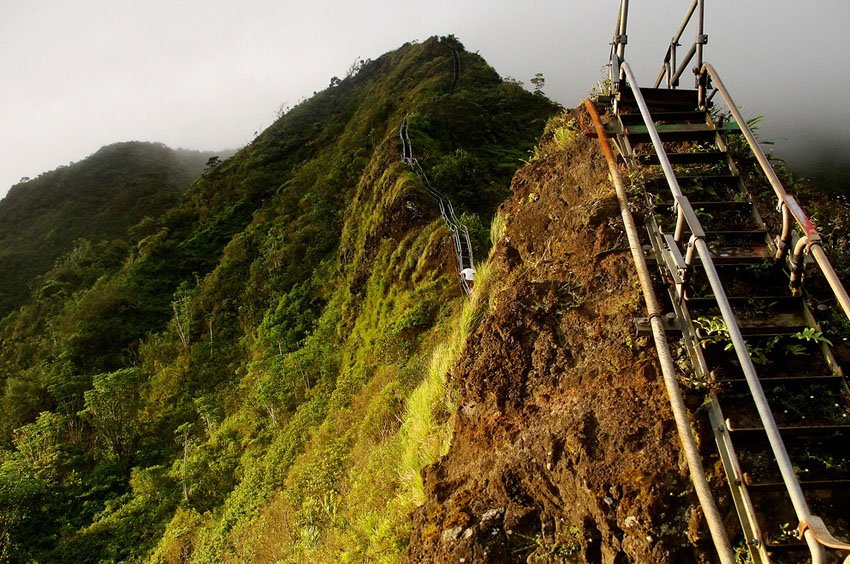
(259, 371)
(95, 199)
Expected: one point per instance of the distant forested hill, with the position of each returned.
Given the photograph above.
(97, 198)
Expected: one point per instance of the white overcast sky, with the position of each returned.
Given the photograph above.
(75, 76)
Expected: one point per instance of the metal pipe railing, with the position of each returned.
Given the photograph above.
(665, 358)
(673, 69)
(786, 468)
(701, 38)
(683, 206)
(670, 56)
(621, 30)
(618, 43)
(787, 203)
(460, 234)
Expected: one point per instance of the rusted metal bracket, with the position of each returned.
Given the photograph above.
(816, 526)
(643, 327)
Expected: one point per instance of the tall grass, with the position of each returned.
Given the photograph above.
(428, 423)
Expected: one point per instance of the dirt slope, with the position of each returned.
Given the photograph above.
(564, 447)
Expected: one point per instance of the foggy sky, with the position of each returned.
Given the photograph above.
(207, 75)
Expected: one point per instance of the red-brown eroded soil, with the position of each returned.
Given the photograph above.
(564, 446)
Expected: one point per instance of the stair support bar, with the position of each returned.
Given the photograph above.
(777, 446)
(668, 370)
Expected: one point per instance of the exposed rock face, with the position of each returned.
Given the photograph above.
(564, 447)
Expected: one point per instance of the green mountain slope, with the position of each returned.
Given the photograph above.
(96, 198)
(259, 372)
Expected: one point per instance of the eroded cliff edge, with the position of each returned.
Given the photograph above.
(564, 447)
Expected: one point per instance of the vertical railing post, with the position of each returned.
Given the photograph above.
(622, 31)
(674, 64)
(701, 40)
(701, 37)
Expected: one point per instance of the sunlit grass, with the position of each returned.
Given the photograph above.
(428, 422)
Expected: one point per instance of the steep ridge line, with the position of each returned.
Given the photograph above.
(460, 234)
(455, 69)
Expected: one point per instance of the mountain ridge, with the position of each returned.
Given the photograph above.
(239, 354)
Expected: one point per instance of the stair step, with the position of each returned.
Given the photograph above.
(788, 381)
(739, 255)
(716, 188)
(672, 132)
(722, 205)
(686, 181)
(665, 117)
(705, 157)
(806, 485)
(786, 546)
(798, 432)
(743, 234)
(785, 303)
(659, 99)
(758, 280)
(750, 306)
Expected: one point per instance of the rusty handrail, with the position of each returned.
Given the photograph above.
(811, 242)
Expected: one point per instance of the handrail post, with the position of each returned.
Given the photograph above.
(622, 31)
(673, 64)
(783, 243)
(701, 38)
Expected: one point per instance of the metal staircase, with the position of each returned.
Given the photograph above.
(460, 234)
(778, 403)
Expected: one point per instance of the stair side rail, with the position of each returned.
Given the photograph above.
(810, 242)
(697, 245)
(671, 68)
(618, 45)
(460, 233)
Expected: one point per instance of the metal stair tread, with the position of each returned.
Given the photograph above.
(789, 431)
(805, 484)
(788, 546)
(684, 116)
(677, 132)
(721, 204)
(704, 157)
(659, 98)
(789, 380)
(663, 128)
(739, 255)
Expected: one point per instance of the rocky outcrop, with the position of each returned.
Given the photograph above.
(564, 448)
